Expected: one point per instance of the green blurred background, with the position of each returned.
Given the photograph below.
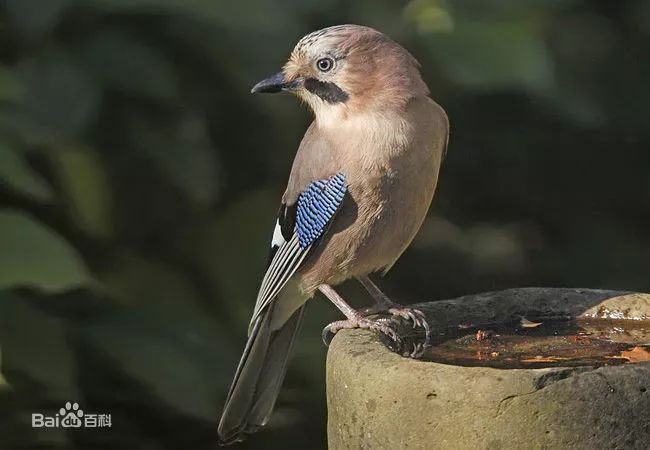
(139, 182)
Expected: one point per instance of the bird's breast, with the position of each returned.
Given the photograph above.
(381, 213)
(391, 169)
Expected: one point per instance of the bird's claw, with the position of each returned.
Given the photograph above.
(380, 325)
(416, 316)
(418, 350)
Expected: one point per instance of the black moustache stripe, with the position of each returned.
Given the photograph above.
(327, 91)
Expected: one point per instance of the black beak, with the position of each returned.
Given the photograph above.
(276, 83)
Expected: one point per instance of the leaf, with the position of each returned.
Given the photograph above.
(636, 354)
(10, 87)
(127, 64)
(545, 359)
(17, 174)
(3, 381)
(33, 255)
(61, 98)
(175, 351)
(33, 17)
(492, 55)
(132, 278)
(250, 16)
(86, 188)
(36, 353)
(482, 335)
(430, 16)
(231, 249)
(525, 323)
(184, 152)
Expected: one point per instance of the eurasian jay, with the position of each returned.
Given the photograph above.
(359, 189)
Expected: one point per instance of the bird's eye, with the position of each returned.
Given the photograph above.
(325, 64)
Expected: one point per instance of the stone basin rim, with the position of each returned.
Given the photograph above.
(571, 303)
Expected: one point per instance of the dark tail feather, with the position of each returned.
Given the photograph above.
(258, 378)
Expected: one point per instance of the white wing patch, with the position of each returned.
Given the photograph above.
(278, 240)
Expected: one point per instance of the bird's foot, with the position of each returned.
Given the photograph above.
(383, 326)
(416, 316)
(418, 319)
(417, 352)
(412, 315)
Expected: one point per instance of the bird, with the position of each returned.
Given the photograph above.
(360, 186)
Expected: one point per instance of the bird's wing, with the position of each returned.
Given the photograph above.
(298, 229)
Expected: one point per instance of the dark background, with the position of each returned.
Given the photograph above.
(139, 182)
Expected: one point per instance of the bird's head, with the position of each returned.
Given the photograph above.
(348, 69)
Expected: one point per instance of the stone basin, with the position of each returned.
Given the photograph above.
(378, 399)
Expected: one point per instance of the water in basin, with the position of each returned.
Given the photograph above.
(543, 343)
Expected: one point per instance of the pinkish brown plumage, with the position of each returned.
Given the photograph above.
(376, 126)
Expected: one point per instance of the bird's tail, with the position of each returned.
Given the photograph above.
(259, 376)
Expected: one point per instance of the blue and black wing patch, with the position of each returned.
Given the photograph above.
(299, 228)
(316, 207)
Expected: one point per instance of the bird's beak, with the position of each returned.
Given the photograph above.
(276, 83)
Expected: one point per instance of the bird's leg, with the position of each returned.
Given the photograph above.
(355, 319)
(383, 303)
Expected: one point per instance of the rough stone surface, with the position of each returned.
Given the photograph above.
(380, 400)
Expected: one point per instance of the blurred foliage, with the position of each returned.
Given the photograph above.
(35, 256)
(139, 183)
